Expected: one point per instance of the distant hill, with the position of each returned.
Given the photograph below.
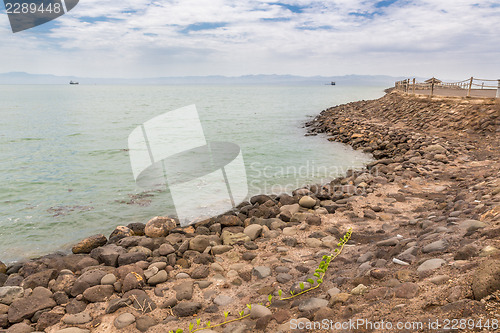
(346, 80)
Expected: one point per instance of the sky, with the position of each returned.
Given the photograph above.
(449, 39)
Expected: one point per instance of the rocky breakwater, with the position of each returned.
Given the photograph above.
(425, 217)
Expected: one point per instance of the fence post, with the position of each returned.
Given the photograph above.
(470, 86)
(498, 89)
(432, 88)
(413, 88)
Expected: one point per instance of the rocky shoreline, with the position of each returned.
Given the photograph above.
(425, 217)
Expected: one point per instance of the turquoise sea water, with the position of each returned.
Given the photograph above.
(65, 171)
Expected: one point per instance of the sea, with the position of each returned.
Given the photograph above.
(65, 166)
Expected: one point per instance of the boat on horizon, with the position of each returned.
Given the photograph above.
(73, 82)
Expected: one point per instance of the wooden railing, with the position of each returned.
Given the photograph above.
(472, 87)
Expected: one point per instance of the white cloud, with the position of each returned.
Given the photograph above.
(134, 38)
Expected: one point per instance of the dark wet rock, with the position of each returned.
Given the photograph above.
(259, 199)
(88, 244)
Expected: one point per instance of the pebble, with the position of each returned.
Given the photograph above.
(158, 278)
(77, 319)
(261, 271)
(124, 320)
(307, 202)
(223, 300)
(182, 275)
(312, 304)
(283, 277)
(313, 242)
(359, 289)
(259, 311)
(430, 264)
(108, 279)
(253, 231)
(437, 246)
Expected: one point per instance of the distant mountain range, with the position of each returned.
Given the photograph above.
(346, 80)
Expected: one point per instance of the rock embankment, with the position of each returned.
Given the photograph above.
(425, 217)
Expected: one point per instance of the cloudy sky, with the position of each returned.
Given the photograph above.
(142, 38)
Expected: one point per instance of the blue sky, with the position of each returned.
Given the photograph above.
(141, 38)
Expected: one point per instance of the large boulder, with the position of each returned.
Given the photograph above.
(159, 226)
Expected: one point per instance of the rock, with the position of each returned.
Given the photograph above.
(131, 258)
(116, 304)
(137, 228)
(220, 249)
(77, 319)
(230, 221)
(20, 328)
(75, 306)
(435, 149)
(120, 232)
(439, 279)
(359, 289)
(313, 219)
(199, 243)
(260, 199)
(73, 330)
(200, 272)
(124, 320)
(389, 242)
(88, 244)
(48, 319)
(379, 273)
(253, 231)
(108, 254)
(158, 278)
(186, 309)
(25, 308)
(259, 311)
(472, 225)
(98, 293)
(184, 290)
(249, 256)
(307, 202)
(223, 300)
(140, 300)
(430, 264)
(312, 304)
(10, 294)
(261, 271)
(283, 277)
(313, 242)
(64, 282)
(437, 246)
(108, 279)
(406, 290)
(289, 241)
(61, 297)
(466, 252)
(40, 279)
(150, 272)
(486, 279)
(159, 226)
(165, 249)
(132, 281)
(229, 238)
(339, 298)
(488, 251)
(143, 323)
(3, 268)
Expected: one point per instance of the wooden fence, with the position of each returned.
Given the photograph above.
(472, 87)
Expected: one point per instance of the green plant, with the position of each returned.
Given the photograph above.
(319, 273)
